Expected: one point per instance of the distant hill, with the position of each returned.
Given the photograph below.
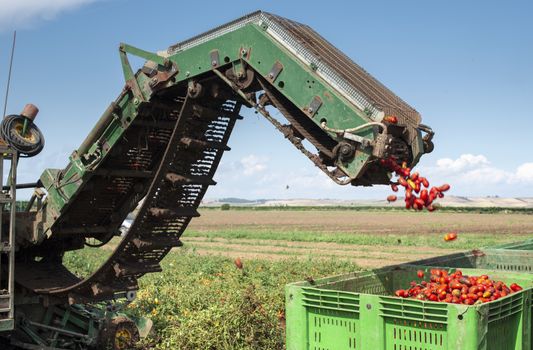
(450, 201)
(240, 201)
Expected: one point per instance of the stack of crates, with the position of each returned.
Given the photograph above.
(359, 312)
(517, 258)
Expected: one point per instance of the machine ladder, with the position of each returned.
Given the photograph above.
(8, 209)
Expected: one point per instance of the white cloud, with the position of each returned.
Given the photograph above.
(16, 14)
(256, 176)
(253, 164)
(470, 171)
(246, 166)
(464, 162)
(525, 172)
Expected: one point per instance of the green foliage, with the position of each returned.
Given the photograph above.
(467, 241)
(225, 206)
(83, 262)
(205, 302)
(21, 205)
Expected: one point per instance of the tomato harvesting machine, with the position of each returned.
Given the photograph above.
(155, 150)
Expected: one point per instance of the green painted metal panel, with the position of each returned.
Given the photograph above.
(297, 82)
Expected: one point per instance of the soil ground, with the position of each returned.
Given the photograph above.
(213, 233)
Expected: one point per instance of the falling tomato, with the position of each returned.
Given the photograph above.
(450, 236)
(418, 194)
(424, 195)
(444, 188)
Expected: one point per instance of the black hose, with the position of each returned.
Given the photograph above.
(11, 133)
(24, 185)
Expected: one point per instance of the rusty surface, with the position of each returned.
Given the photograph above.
(274, 71)
(182, 162)
(30, 111)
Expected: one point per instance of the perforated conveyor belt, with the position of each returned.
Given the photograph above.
(184, 171)
(358, 78)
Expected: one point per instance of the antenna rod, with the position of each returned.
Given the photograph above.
(9, 74)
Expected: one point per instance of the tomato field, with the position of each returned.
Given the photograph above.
(202, 300)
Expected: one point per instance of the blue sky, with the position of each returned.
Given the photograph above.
(465, 66)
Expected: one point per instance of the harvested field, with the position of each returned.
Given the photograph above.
(368, 239)
(365, 256)
(363, 222)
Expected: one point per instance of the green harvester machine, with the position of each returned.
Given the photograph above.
(156, 149)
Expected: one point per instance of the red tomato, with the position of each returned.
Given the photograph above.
(238, 263)
(391, 119)
(444, 188)
(400, 293)
(420, 203)
(413, 183)
(424, 195)
(392, 198)
(450, 236)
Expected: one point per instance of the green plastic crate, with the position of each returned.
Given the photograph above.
(524, 245)
(516, 257)
(357, 312)
(493, 259)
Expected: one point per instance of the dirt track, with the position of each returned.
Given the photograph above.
(363, 255)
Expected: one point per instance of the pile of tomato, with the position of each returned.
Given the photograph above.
(456, 288)
(418, 194)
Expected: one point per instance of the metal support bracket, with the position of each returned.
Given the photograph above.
(238, 69)
(149, 56)
(165, 69)
(313, 107)
(274, 71)
(214, 58)
(129, 76)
